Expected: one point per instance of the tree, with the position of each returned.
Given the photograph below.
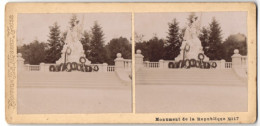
(204, 38)
(155, 49)
(118, 45)
(173, 42)
(98, 53)
(236, 41)
(152, 50)
(182, 32)
(86, 42)
(54, 44)
(138, 38)
(33, 53)
(215, 49)
(63, 38)
(144, 48)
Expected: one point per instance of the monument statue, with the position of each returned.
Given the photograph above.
(191, 45)
(73, 48)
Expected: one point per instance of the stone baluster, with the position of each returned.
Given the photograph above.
(236, 60)
(147, 64)
(237, 65)
(42, 67)
(161, 64)
(222, 64)
(105, 67)
(20, 62)
(119, 62)
(139, 60)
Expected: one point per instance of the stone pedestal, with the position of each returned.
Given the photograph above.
(72, 53)
(236, 60)
(161, 64)
(42, 67)
(20, 62)
(237, 65)
(222, 64)
(146, 64)
(105, 67)
(139, 60)
(119, 62)
(180, 56)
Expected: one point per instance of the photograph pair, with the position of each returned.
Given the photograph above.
(153, 62)
(118, 63)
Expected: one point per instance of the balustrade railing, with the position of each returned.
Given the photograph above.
(32, 67)
(110, 68)
(128, 64)
(228, 65)
(152, 65)
(165, 63)
(45, 67)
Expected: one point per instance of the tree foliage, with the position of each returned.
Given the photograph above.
(54, 44)
(93, 44)
(98, 53)
(204, 38)
(152, 50)
(85, 41)
(173, 42)
(156, 49)
(215, 49)
(63, 38)
(138, 37)
(33, 53)
(118, 45)
(144, 48)
(236, 41)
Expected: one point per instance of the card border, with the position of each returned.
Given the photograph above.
(12, 9)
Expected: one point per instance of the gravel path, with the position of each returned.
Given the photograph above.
(74, 100)
(190, 98)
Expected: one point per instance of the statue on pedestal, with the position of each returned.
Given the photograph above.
(73, 48)
(191, 45)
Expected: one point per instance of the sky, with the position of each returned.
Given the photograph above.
(36, 26)
(150, 24)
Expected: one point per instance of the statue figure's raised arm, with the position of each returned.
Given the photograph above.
(79, 27)
(68, 36)
(197, 24)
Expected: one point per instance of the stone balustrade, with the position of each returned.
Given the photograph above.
(238, 62)
(110, 68)
(139, 59)
(151, 64)
(228, 65)
(32, 67)
(120, 64)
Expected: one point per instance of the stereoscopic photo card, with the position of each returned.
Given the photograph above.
(130, 63)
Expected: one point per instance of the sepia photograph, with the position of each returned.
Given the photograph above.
(191, 62)
(74, 63)
(130, 63)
